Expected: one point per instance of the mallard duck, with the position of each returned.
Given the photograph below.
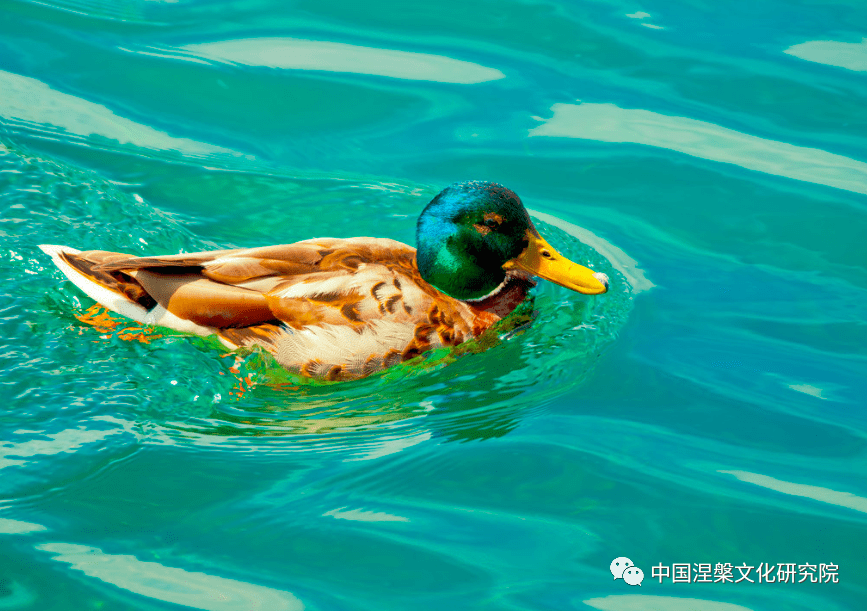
(340, 309)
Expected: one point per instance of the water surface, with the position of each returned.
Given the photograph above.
(709, 409)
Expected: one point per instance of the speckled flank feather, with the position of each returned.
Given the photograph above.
(326, 308)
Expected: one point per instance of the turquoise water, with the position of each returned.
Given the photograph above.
(709, 409)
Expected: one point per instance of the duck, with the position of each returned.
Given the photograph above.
(344, 308)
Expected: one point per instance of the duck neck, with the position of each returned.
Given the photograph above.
(505, 297)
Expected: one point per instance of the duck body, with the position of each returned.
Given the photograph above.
(340, 309)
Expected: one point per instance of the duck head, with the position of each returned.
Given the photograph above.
(473, 234)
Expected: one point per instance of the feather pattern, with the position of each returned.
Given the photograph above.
(326, 308)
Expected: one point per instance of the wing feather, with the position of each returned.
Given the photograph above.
(326, 307)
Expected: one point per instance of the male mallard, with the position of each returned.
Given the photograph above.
(341, 309)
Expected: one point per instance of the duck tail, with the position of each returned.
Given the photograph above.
(117, 291)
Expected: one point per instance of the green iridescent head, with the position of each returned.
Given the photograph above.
(472, 233)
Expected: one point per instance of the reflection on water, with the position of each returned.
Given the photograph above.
(849, 55)
(34, 106)
(817, 493)
(610, 123)
(13, 454)
(296, 54)
(643, 602)
(360, 515)
(169, 584)
(17, 527)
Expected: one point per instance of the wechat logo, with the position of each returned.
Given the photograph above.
(624, 568)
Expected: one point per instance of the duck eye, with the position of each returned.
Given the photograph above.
(547, 254)
(491, 223)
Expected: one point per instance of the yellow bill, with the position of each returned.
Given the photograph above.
(540, 259)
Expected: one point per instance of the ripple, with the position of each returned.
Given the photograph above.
(849, 55)
(17, 527)
(170, 584)
(361, 515)
(320, 55)
(643, 602)
(65, 441)
(481, 390)
(61, 115)
(817, 493)
(610, 123)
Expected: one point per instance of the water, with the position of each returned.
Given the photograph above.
(709, 409)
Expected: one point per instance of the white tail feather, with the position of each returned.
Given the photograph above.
(115, 302)
(118, 302)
